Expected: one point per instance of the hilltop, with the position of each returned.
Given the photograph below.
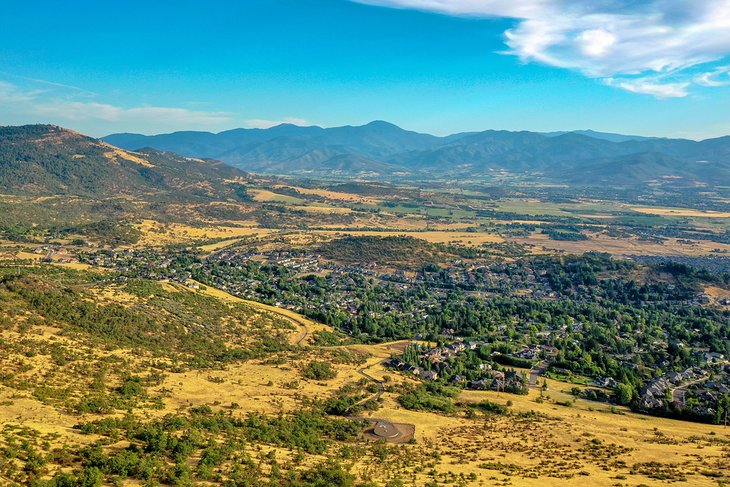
(47, 160)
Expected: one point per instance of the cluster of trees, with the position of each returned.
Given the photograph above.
(617, 315)
(561, 233)
(383, 250)
(186, 327)
(429, 396)
(318, 370)
(207, 446)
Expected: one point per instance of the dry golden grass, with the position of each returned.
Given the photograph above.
(305, 326)
(650, 439)
(155, 233)
(41, 199)
(324, 209)
(253, 386)
(78, 266)
(20, 407)
(651, 210)
(28, 255)
(718, 294)
(128, 156)
(335, 195)
(115, 294)
(29, 412)
(219, 245)
(264, 195)
(600, 242)
(586, 443)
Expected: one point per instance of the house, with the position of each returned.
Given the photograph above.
(713, 357)
(192, 284)
(412, 369)
(653, 394)
(528, 353)
(428, 375)
(607, 382)
(480, 385)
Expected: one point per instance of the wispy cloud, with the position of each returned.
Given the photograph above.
(68, 105)
(9, 93)
(720, 76)
(77, 110)
(625, 42)
(651, 86)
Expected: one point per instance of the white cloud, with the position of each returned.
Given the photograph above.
(649, 86)
(258, 123)
(596, 42)
(718, 77)
(490, 8)
(610, 39)
(76, 110)
(10, 93)
(26, 105)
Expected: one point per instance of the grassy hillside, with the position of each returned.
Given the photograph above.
(137, 382)
(48, 160)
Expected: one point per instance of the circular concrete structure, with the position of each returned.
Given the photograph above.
(386, 430)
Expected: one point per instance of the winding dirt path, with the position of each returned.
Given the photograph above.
(305, 325)
(381, 387)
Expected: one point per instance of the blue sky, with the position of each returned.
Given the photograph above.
(437, 66)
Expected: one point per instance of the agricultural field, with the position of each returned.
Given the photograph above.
(470, 218)
(572, 224)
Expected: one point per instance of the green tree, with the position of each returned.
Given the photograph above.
(624, 393)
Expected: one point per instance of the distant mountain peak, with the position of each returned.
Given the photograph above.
(350, 150)
(382, 123)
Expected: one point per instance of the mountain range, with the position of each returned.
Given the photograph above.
(383, 150)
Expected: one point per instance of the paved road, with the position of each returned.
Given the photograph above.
(536, 372)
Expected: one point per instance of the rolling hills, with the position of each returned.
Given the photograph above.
(46, 159)
(383, 150)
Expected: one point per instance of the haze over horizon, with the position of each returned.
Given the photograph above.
(659, 68)
(446, 134)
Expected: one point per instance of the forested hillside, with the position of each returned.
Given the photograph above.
(383, 150)
(47, 160)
